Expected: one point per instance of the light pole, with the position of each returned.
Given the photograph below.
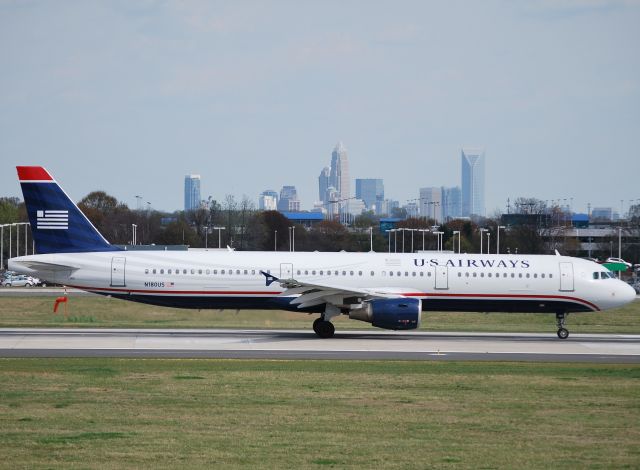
(134, 234)
(619, 248)
(389, 236)
(457, 232)
(482, 230)
(2, 226)
(423, 230)
(275, 240)
(371, 239)
(219, 229)
(498, 241)
(488, 242)
(412, 230)
(206, 237)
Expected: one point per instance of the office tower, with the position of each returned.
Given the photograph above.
(333, 202)
(339, 175)
(268, 200)
(289, 200)
(371, 191)
(472, 182)
(451, 203)
(323, 183)
(191, 192)
(431, 203)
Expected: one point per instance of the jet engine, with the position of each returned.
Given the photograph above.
(390, 314)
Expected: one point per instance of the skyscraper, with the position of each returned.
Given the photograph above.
(431, 203)
(289, 201)
(472, 182)
(268, 200)
(323, 184)
(371, 191)
(191, 192)
(339, 175)
(451, 203)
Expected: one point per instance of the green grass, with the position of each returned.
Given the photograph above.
(132, 413)
(95, 311)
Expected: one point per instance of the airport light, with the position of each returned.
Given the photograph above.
(423, 230)
(371, 239)
(219, 229)
(482, 230)
(2, 226)
(134, 234)
(389, 236)
(412, 230)
(498, 244)
(457, 232)
(619, 248)
(488, 242)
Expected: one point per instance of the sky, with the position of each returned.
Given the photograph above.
(128, 97)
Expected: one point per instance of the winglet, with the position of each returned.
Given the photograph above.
(558, 253)
(269, 279)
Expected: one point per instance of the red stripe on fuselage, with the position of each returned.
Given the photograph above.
(33, 173)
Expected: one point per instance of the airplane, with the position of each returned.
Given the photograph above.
(388, 290)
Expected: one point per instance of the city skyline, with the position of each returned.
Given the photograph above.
(251, 94)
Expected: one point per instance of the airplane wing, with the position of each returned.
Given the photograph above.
(317, 293)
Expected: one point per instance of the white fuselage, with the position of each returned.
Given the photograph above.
(233, 279)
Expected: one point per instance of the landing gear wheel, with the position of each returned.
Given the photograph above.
(563, 333)
(323, 328)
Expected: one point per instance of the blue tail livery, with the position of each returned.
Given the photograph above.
(58, 226)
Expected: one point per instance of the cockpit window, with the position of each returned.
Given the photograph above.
(603, 275)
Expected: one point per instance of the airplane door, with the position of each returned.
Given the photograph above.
(566, 277)
(117, 271)
(286, 271)
(442, 277)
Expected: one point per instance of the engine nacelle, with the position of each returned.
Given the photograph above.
(391, 314)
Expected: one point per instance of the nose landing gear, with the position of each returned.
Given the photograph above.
(563, 333)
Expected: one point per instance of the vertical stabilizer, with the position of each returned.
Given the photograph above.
(58, 226)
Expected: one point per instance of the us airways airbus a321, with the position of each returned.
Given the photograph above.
(388, 290)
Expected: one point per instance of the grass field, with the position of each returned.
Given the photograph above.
(95, 311)
(115, 413)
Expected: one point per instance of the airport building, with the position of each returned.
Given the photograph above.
(472, 182)
(192, 192)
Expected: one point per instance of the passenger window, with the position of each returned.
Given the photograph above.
(504, 274)
(208, 271)
(459, 274)
(306, 272)
(429, 274)
(168, 271)
(413, 273)
(215, 271)
(481, 274)
(390, 273)
(421, 273)
(344, 273)
(513, 275)
(313, 272)
(350, 273)
(475, 274)
(542, 275)
(466, 274)
(519, 274)
(321, 272)
(193, 271)
(146, 271)
(406, 273)
(528, 275)
(247, 272)
(237, 271)
(550, 276)
(253, 271)
(154, 271)
(535, 275)
(359, 273)
(230, 271)
(336, 273)
(184, 271)
(488, 274)
(298, 272)
(372, 273)
(222, 271)
(199, 271)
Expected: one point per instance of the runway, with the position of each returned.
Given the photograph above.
(303, 344)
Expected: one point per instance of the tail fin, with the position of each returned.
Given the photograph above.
(58, 226)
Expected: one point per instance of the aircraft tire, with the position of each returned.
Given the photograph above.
(563, 333)
(324, 329)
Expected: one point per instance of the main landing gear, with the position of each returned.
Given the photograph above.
(563, 333)
(323, 328)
